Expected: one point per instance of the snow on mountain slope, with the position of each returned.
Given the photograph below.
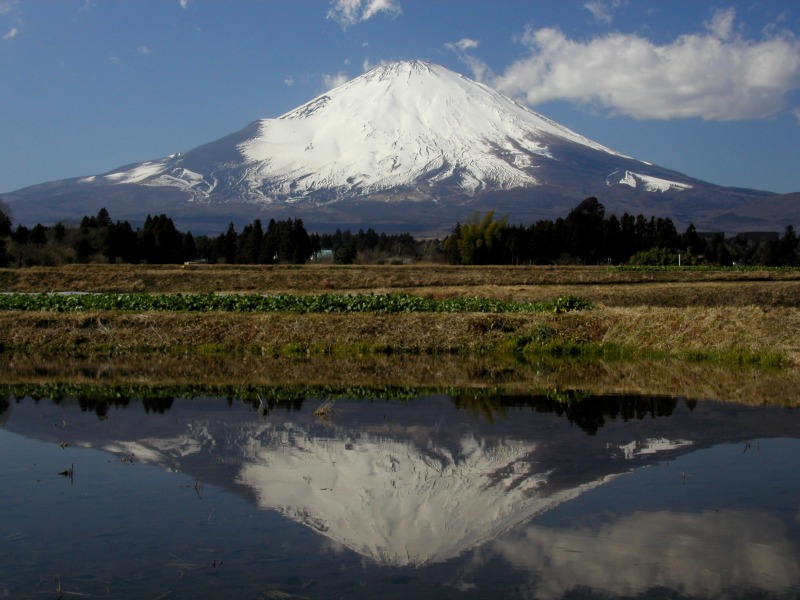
(399, 124)
(405, 125)
(650, 183)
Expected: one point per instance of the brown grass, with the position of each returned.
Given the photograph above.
(675, 314)
(621, 288)
(651, 378)
(659, 329)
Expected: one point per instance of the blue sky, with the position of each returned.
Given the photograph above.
(711, 89)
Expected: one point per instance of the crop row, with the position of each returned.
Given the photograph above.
(309, 303)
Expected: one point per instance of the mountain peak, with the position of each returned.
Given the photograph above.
(410, 125)
(399, 67)
(404, 143)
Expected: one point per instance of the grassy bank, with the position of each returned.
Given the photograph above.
(730, 318)
(737, 335)
(380, 376)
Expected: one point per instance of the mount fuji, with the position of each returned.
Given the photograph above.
(409, 146)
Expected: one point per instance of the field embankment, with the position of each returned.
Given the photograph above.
(720, 319)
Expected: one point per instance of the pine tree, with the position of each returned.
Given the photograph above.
(5, 223)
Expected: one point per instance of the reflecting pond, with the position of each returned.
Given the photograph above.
(438, 495)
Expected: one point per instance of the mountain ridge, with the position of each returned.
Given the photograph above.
(407, 146)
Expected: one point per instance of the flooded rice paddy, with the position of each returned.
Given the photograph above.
(436, 496)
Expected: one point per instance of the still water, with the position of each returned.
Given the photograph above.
(433, 497)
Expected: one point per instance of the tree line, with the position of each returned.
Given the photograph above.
(100, 239)
(587, 235)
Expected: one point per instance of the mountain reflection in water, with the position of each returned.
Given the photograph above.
(451, 486)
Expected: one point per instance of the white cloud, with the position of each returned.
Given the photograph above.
(368, 65)
(144, 50)
(289, 81)
(350, 12)
(721, 24)
(464, 44)
(10, 8)
(184, 3)
(797, 116)
(332, 81)
(480, 70)
(714, 75)
(603, 10)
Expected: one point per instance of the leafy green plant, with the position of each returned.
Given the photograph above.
(312, 303)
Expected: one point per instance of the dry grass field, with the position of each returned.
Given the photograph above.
(683, 325)
(598, 284)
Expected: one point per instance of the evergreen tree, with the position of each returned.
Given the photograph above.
(38, 235)
(665, 235)
(188, 248)
(691, 241)
(248, 246)
(160, 242)
(783, 251)
(21, 234)
(301, 243)
(345, 254)
(717, 251)
(229, 239)
(103, 219)
(123, 243)
(83, 247)
(59, 232)
(268, 253)
(5, 223)
(628, 243)
(585, 230)
(788, 247)
(612, 240)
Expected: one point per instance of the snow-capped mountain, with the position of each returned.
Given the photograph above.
(410, 145)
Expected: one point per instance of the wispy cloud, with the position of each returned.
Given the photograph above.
(350, 12)
(715, 74)
(463, 44)
(797, 115)
(332, 81)
(603, 10)
(185, 3)
(480, 70)
(11, 9)
(368, 65)
(721, 24)
(144, 50)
